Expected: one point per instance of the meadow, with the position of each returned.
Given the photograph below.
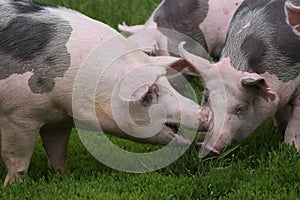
(261, 167)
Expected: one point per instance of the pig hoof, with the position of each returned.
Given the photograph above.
(12, 178)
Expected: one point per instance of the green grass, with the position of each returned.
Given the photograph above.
(261, 167)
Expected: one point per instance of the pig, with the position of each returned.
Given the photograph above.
(60, 68)
(202, 21)
(256, 79)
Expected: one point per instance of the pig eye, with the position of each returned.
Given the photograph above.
(147, 99)
(241, 110)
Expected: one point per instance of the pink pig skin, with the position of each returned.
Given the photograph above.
(216, 23)
(25, 112)
(214, 27)
(292, 134)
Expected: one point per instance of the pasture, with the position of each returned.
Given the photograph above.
(261, 167)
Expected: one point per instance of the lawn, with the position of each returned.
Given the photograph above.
(261, 167)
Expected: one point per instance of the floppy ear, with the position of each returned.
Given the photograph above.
(293, 15)
(135, 84)
(197, 64)
(258, 85)
(173, 64)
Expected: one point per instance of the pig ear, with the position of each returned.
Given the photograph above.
(293, 15)
(197, 64)
(173, 64)
(258, 85)
(136, 83)
(130, 29)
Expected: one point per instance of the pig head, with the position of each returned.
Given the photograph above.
(240, 101)
(132, 91)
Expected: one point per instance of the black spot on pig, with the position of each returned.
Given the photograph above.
(29, 7)
(268, 44)
(285, 39)
(32, 44)
(183, 17)
(254, 50)
(50, 60)
(22, 7)
(24, 38)
(250, 5)
(40, 82)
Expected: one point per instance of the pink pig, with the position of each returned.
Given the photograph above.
(202, 21)
(241, 101)
(58, 67)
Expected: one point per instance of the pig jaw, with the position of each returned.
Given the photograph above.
(157, 117)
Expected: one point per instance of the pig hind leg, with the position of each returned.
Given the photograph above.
(55, 142)
(17, 143)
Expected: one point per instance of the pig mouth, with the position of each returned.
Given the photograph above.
(201, 143)
(176, 133)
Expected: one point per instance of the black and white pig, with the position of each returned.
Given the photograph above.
(47, 53)
(257, 77)
(203, 22)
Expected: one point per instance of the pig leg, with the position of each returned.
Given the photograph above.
(292, 133)
(17, 143)
(282, 118)
(55, 142)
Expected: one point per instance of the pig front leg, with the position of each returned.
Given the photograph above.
(282, 117)
(292, 133)
(55, 141)
(17, 141)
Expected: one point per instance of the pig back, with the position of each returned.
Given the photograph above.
(260, 40)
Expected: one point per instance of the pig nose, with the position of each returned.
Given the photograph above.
(201, 137)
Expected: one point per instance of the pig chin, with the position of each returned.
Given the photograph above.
(170, 134)
(174, 136)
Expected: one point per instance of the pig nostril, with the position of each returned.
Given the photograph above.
(201, 137)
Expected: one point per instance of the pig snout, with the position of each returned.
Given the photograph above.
(214, 139)
(207, 146)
